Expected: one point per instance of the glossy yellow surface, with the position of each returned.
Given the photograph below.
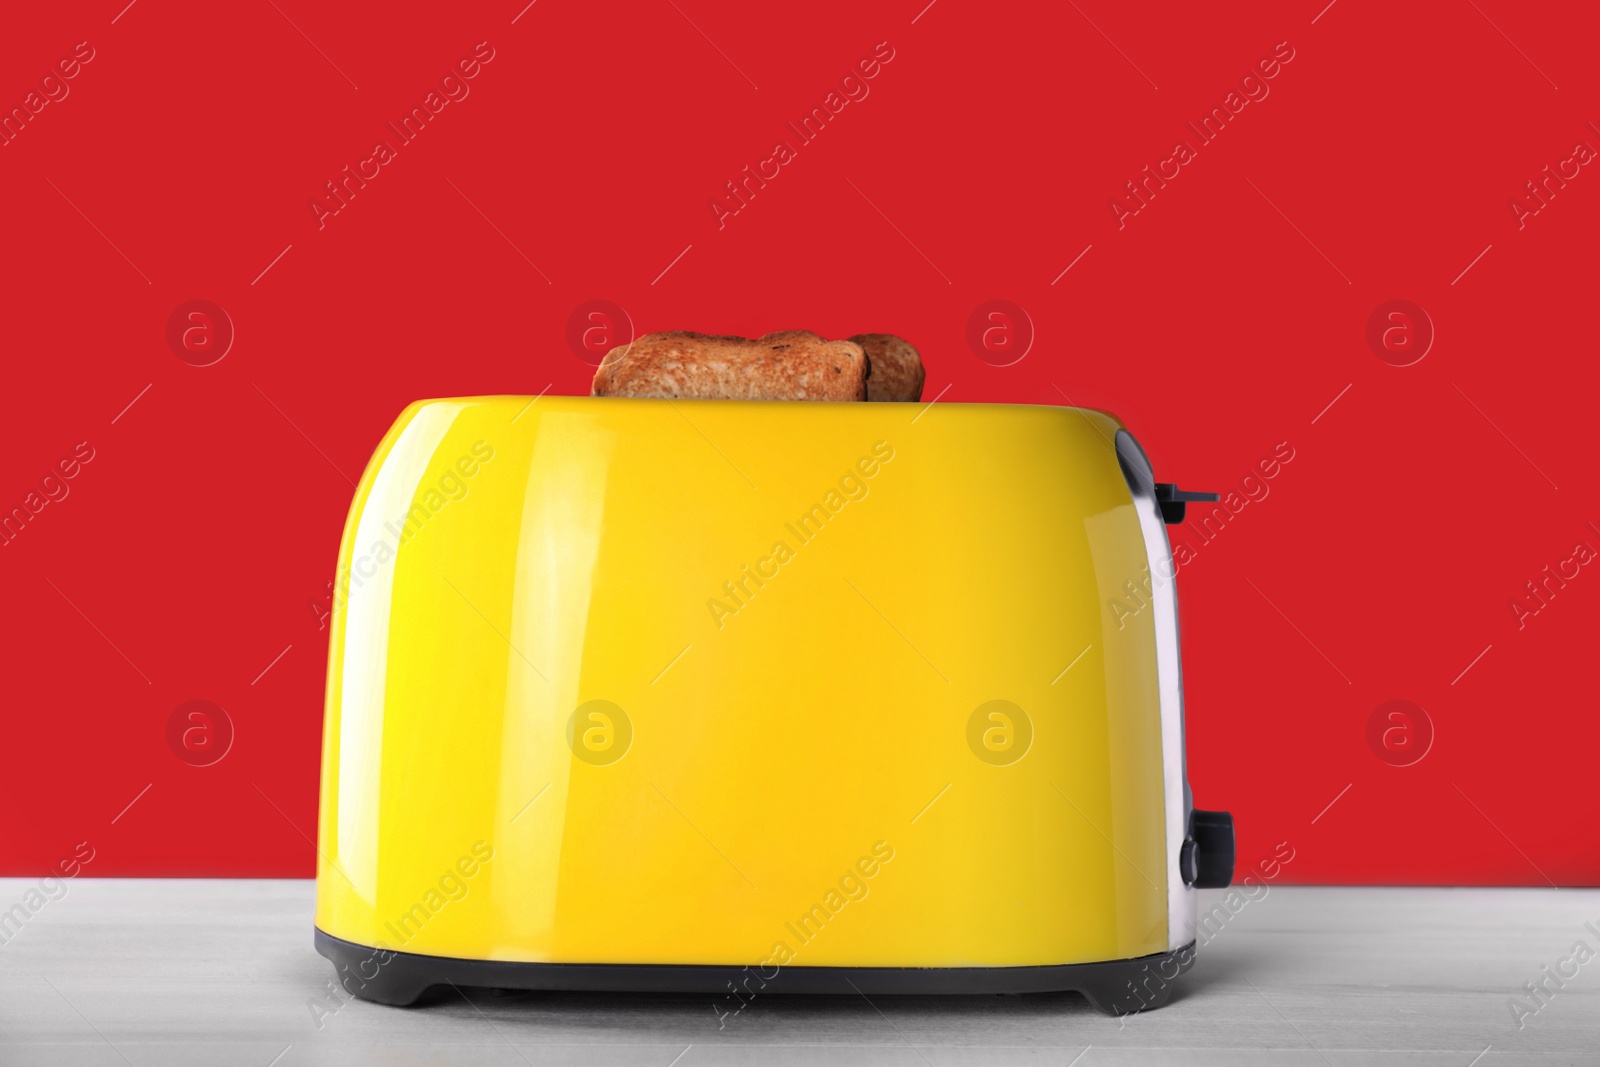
(803, 749)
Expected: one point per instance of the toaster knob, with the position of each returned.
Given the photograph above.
(1172, 501)
(1206, 861)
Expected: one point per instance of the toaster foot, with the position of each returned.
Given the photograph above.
(377, 974)
(1126, 987)
(1116, 987)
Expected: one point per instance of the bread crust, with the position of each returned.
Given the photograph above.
(897, 371)
(786, 365)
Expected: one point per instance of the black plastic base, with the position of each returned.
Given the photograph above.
(1117, 987)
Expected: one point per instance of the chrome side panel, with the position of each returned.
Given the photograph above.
(1169, 667)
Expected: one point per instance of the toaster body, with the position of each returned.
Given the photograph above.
(750, 698)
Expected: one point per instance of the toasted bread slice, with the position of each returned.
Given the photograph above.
(897, 372)
(788, 365)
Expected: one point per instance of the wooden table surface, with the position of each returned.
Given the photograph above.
(171, 972)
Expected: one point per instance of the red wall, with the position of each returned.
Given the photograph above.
(1221, 320)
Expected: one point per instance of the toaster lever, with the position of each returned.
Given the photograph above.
(1173, 500)
(1206, 861)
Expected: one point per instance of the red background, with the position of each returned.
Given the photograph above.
(191, 549)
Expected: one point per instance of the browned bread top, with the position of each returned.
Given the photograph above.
(787, 365)
(897, 372)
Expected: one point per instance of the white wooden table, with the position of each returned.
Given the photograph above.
(170, 972)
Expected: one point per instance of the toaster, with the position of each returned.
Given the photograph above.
(748, 698)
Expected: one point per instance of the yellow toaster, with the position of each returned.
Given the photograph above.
(750, 698)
